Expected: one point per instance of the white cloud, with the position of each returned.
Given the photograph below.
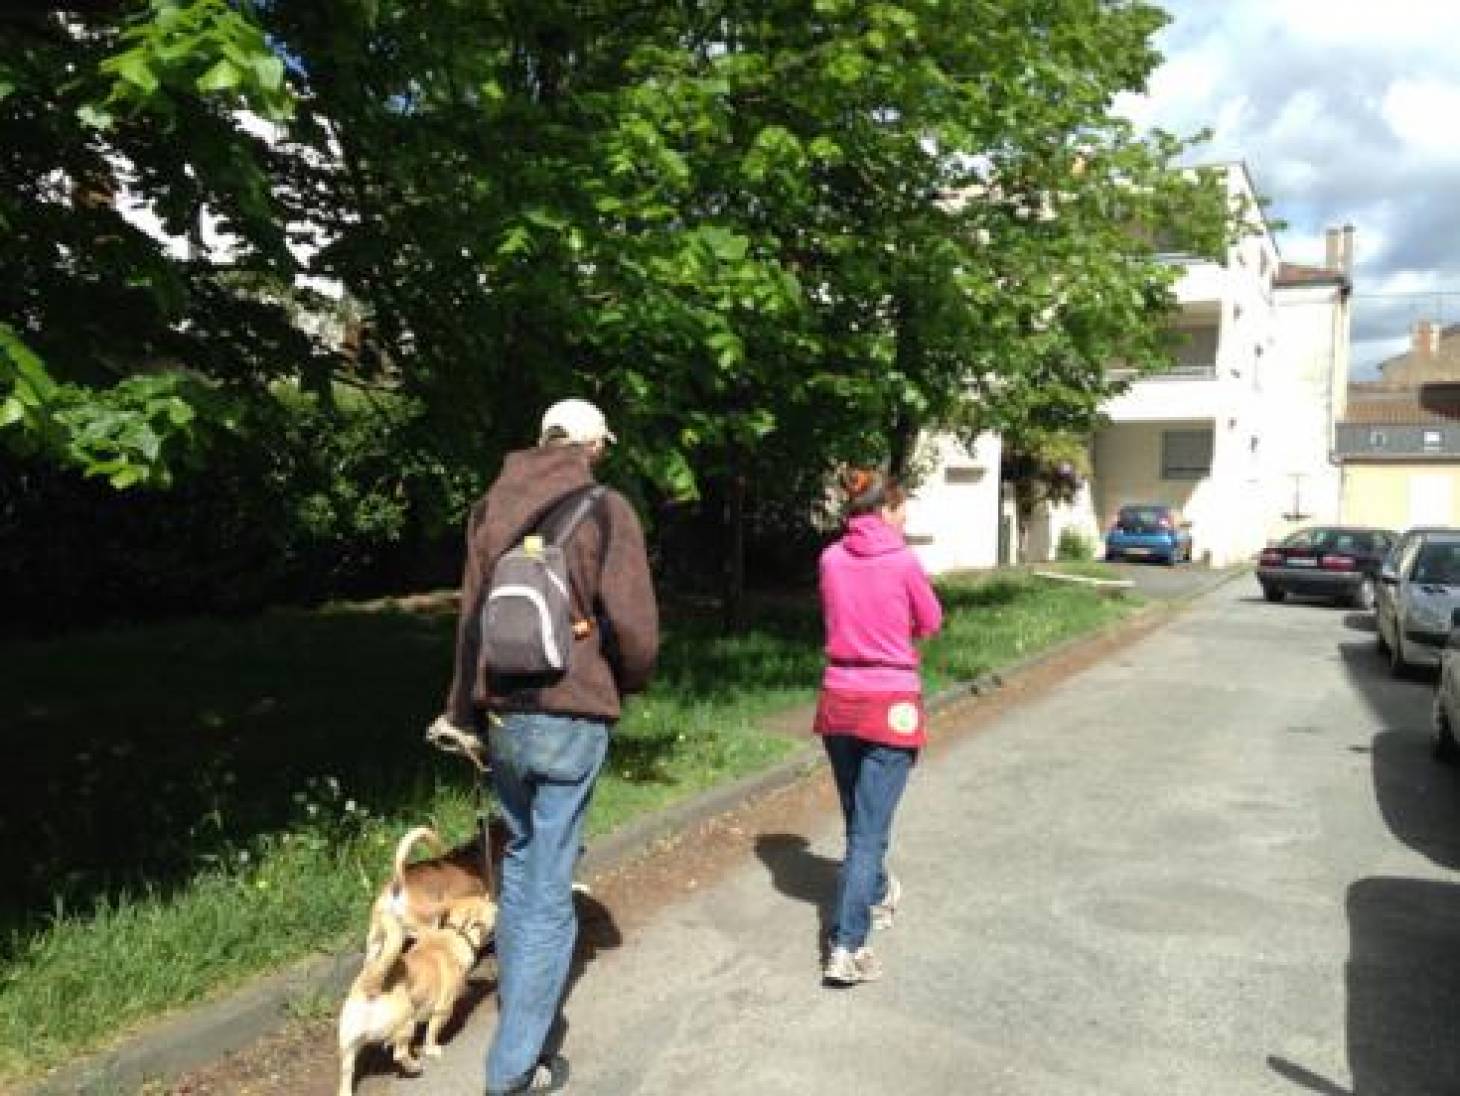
(1344, 111)
(1422, 114)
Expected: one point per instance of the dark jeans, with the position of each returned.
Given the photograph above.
(543, 769)
(870, 779)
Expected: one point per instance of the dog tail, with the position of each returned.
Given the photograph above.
(407, 843)
(387, 942)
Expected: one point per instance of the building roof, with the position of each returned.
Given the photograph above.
(1425, 362)
(1295, 274)
(1373, 404)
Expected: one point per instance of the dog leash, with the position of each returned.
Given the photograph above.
(449, 738)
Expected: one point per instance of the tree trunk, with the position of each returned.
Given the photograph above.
(901, 442)
(903, 433)
(732, 602)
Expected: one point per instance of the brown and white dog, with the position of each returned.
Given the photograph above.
(397, 989)
(418, 894)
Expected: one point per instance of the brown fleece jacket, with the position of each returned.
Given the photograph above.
(611, 586)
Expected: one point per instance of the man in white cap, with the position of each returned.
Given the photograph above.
(548, 734)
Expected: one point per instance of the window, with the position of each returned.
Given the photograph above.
(1146, 519)
(1196, 347)
(1438, 564)
(1434, 441)
(1186, 454)
(966, 474)
(1377, 440)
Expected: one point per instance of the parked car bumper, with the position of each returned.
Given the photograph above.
(1423, 648)
(1142, 547)
(1318, 583)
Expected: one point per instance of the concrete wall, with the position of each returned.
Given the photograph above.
(1301, 391)
(1050, 522)
(953, 514)
(1396, 495)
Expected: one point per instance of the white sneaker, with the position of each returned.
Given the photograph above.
(846, 968)
(883, 911)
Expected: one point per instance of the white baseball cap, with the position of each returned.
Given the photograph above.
(578, 421)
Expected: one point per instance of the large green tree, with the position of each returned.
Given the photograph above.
(767, 236)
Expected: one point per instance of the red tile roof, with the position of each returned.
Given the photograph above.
(1373, 405)
(1297, 274)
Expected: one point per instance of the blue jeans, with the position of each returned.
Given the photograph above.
(543, 770)
(870, 779)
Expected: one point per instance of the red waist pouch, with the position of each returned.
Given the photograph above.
(893, 719)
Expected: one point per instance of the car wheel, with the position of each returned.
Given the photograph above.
(1274, 593)
(1442, 735)
(1363, 597)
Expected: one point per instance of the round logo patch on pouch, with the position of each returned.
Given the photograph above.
(902, 717)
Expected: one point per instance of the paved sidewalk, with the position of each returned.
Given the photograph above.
(1163, 878)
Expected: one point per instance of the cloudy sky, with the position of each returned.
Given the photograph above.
(1345, 111)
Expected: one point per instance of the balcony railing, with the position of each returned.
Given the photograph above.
(1175, 373)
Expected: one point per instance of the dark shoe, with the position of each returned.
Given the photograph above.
(548, 1076)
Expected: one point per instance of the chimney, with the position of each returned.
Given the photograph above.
(1347, 251)
(1332, 249)
(1425, 340)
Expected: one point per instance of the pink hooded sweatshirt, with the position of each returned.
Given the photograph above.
(876, 599)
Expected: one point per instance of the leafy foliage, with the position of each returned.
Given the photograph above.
(764, 237)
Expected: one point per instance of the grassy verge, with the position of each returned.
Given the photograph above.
(197, 802)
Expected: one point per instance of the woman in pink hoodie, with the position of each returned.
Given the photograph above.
(876, 600)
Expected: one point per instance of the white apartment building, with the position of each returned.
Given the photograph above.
(1238, 435)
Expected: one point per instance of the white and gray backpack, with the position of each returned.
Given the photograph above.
(527, 625)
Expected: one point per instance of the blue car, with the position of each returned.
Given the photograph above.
(1149, 532)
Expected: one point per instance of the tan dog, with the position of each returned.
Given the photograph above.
(398, 989)
(419, 894)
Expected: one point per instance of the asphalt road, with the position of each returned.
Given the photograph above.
(1160, 582)
(1220, 862)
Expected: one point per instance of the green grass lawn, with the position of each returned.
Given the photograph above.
(192, 803)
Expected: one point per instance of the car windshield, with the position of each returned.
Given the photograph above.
(1141, 517)
(1358, 542)
(1438, 564)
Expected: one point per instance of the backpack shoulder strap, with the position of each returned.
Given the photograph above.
(564, 519)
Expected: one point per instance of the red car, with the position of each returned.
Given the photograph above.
(1332, 561)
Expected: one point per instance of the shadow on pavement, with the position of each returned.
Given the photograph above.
(1305, 1078)
(1404, 933)
(597, 932)
(1361, 622)
(799, 873)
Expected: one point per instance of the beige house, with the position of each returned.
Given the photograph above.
(1398, 442)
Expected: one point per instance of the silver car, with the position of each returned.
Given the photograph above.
(1447, 700)
(1419, 590)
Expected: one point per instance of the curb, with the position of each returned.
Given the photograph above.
(206, 1033)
